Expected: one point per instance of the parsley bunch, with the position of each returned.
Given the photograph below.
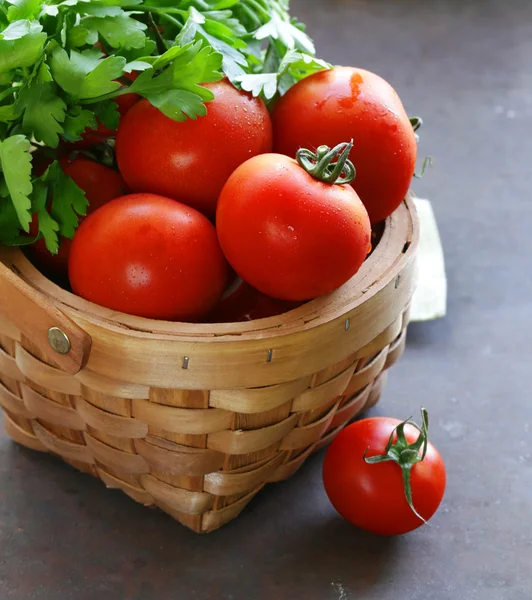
(63, 62)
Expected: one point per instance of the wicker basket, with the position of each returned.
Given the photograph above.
(196, 419)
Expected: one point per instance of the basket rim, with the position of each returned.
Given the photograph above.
(395, 249)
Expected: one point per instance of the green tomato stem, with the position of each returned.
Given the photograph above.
(120, 92)
(6, 93)
(426, 163)
(330, 166)
(404, 454)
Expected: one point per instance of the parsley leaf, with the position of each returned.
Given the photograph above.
(200, 25)
(260, 83)
(77, 120)
(8, 113)
(19, 29)
(68, 202)
(48, 227)
(107, 114)
(281, 27)
(44, 111)
(85, 75)
(23, 9)
(23, 51)
(176, 91)
(15, 163)
(119, 31)
(294, 67)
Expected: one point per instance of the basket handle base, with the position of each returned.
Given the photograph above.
(59, 339)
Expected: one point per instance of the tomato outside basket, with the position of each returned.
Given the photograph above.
(196, 419)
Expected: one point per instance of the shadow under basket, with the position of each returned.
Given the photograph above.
(196, 419)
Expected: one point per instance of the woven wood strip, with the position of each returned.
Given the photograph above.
(13, 403)
(226, 484)
(138, 494)
(8, 329)
(351, 408)
(110, 423)
(45, 375)
(9, 367)
(188, 461)
(245, 442)
(316, 397)
(192, 503)
(367, 374)
(286, 470)
(383, 340)
(301, 437)
(396, 350)
(182, 420)
(57, 445)
(50, 411)
(376, 390)
(258, 400)
(21, 436)
(214, 519)
(94, 382)
(124, 461)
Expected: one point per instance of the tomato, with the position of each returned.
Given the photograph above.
(372, 496)
(288, 234)
(346, 103)
(241, 302)
(149, 256)
(100, 184)
(191, 160)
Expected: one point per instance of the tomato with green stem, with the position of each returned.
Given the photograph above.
(343, 103)
(384, 476)
(294, 230)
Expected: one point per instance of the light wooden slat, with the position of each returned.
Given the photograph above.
(110, 423)
(225, 484)
(64, 448)
(123, 461)
(182, 420)
(180, 460)
(257, 400)
(245, 442)
(316, 397)
(45, 375)
(51, 412)
(192, 503)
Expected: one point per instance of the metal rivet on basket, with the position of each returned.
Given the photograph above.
(58, 340)
(347, 324)
(185, 362)
(397, 281)
(270, 355)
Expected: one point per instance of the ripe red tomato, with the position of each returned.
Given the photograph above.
(148, 256)
(100, 184)
(241, 302)
(346, 103)
(287, 234)
(372, 496)
(191, 160)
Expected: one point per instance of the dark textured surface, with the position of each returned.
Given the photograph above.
(465, 67)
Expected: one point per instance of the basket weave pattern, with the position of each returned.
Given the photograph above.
(202, 454)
